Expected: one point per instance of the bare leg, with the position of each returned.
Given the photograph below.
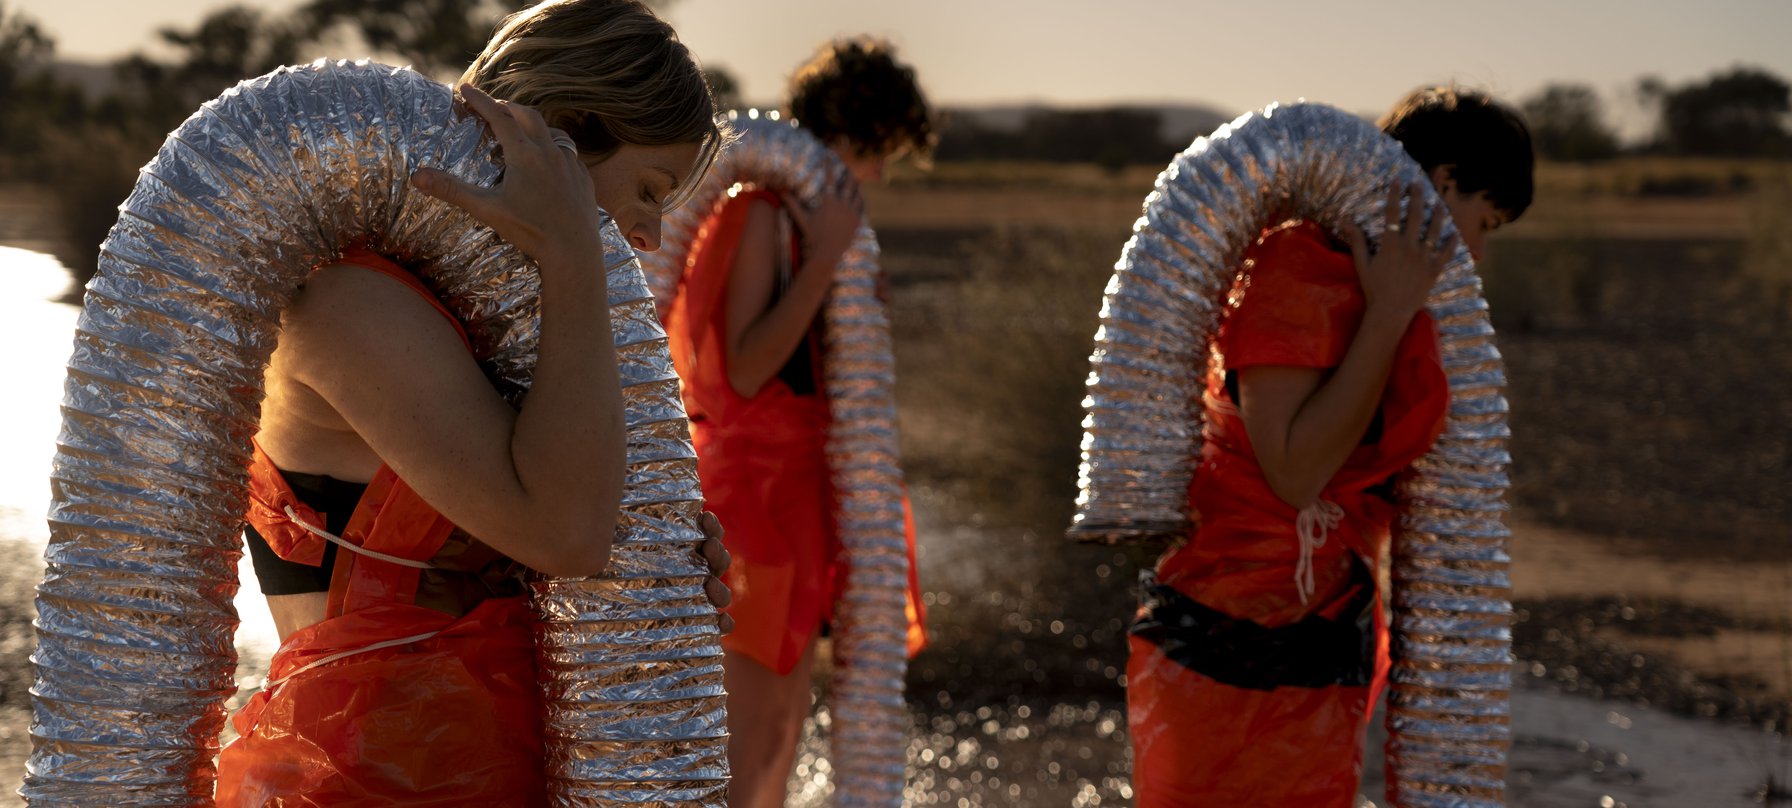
(765, 719)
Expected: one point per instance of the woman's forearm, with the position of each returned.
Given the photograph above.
(1330, 422)
(767, 343)
(568, 444)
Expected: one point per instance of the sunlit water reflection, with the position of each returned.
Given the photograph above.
(37, 329)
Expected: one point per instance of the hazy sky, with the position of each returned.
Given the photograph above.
(1234, 55)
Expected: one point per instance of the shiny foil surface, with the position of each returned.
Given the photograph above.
(135, 624)
(1448, 706)
(870, 717)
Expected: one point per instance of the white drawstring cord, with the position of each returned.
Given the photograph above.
(1311, 525)
(270, 684)
(341, 542)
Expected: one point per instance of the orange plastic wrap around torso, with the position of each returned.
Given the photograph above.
(1261, 733)
(386, 701)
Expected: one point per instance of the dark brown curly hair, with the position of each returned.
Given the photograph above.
(855, 89)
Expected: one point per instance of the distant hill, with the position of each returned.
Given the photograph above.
(1110, 135)
(1181, 123)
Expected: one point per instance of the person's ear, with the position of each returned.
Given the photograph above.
(1443, 178)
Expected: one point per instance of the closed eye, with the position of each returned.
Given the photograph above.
(672, 187)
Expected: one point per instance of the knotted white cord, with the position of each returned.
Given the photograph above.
(1311, 526)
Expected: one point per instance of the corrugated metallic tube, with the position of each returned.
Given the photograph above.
(1448, 708)
(870, 717)
(134, 655)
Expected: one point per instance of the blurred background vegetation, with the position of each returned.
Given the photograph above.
(83, 130)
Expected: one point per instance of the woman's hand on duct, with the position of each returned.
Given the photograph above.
(718, 558)
(545, 204)
(1398, 275)
(828, 228)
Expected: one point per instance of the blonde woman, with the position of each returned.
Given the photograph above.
(379, 427)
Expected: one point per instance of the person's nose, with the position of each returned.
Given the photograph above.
(645, 235)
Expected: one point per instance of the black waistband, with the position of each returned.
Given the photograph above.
(1315, 652)
(336, 500)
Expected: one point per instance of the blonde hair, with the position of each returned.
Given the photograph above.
(607, 72)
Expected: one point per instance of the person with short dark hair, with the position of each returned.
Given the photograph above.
(1260, 648)
(745, 332)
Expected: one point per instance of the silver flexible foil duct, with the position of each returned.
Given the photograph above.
(1448, 707)
(134, 652)
(870, 717)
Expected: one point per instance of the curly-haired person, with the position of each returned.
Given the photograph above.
(745, 333)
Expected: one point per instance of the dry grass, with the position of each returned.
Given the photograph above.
(1768, 258)
(1658, 176)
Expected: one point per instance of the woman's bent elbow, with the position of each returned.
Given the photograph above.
(1296, 493)
(743, 386)
(585, 554)
(576, 545)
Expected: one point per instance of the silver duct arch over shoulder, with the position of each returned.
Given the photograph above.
(134, 656)
(870, 717)
(1448, 711)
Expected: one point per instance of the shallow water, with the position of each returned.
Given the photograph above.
(38, 328)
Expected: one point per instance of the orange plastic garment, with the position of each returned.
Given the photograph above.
(269, 497)
(1198, 741)
(386, 702)
(763, 465)
(450, 720)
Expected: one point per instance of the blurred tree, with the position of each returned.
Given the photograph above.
(225, 47)
(1568, 123)
(1740, 113)
(440, 37)
(36, 104)
(724, 87)
(153, 95)
(1111, 137)
(93, 159)
(23, 47)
